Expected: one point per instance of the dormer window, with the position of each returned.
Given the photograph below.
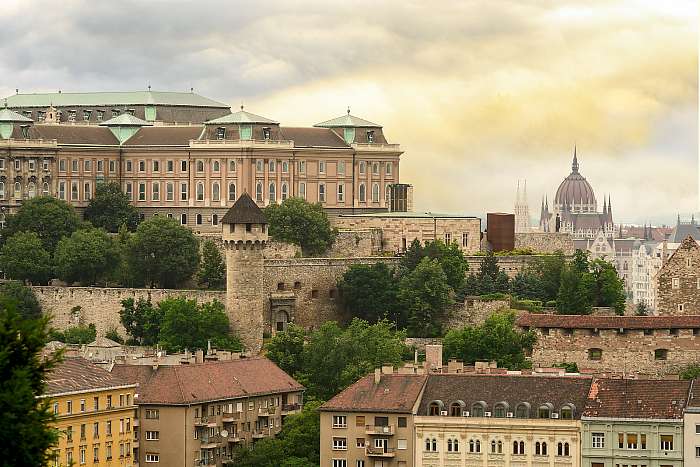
(100, 115)
(71, 115)
(266, 133)
(131, 111)
(86, 115)
(370, 136)
(25, 131)
(27, 113)
(41, 115)
(221, 133)
(115, 113)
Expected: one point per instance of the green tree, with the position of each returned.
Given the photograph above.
(88, 256)
(110, 209)
(79, 334)
(608, 287)
(497, 339)
(187, 324)
(122, 274)
(489, 279)
(49, 218)
(302, 223)
(690, 372)
(141, 320)
(449, 256)
(286, 349)
(642, 309)
(369, 292)
(527, 285)
(549, 269)
(113, 334)
(25, 431)
(23, 257)
(22, 298)
(212, 270)
(574, 297)
(425, 295)
(163, 252)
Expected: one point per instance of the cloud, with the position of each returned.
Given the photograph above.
(479, 93)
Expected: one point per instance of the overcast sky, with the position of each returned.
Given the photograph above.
(478, 93)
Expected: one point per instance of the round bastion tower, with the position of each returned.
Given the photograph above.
(244, 233)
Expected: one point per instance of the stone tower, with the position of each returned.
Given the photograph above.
(522, 211)
(244, 234)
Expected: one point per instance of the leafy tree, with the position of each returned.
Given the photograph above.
(369, 292)
(449, 256)
(496, 339)
(569, 367)
(22, 298)
(301, 223)
(286, 349)
(163, 252)
(141, 320)
(187, 324)
(49, 218)
(25, 431)
(580, 262)
(79, 334)
(88, 256)
(122, 274)
(690, 372)
(113, 334)
(23, 257)
(425, 295)
(574, 296)
(608, 287)
(212, 270)
(642, 309)
(489, 279)
(549, 269)
(110, 209)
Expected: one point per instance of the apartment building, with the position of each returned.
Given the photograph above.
(188, 157)
(691, 426)
(95, 415)
(196, 414)
(634, 423)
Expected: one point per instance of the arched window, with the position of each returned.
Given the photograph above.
(183, 219)
(472, 445)
(522, 410)
(500, 410)
(493, 446)
(215, 219)
(560, 449)
(544, 448)
(258, 192)
(456, 409)
(449, 445)
(232, 166)
(31, 190)
(2, 190)
(478, 409)
(285, 191)
(200, 166)
(18, 191)
(500, 447)
(232, 191)
(215, 166)
(544, 411)
(375, 192)
(215, 192)
(522, 447)
(427, 444)
(363, 193)
(434, 445)
(285, 166)
(567, 412)
(537, 448)
(200, 191)
(273, 193)
(566, 450)
(44, 191)
(455, 445)
(199, 219)
(434, 408)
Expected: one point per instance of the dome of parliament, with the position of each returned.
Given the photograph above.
(575, 189)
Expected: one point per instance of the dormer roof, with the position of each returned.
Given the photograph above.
(244, 211)
(241, 117)
(125, 119)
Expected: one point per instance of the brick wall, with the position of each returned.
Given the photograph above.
(546, 242)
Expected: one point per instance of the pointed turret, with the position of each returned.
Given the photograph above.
(610, 218)
(574, 164)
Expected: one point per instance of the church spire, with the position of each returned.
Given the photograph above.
(610, 209)
(605, 207)
(517, 193)
(574, 164)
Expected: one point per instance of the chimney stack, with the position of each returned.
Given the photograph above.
(199, 356)
(433, 357)
(377, 375)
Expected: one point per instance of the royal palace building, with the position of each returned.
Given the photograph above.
(181, 155)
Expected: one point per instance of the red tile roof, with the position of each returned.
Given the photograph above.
(535, 320)
(80, 375)
(395, 393)
(188, 384)
(629, 398)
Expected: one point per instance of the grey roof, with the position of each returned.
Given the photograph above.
(103, 342)
(244, 211)
(125, 119)
(64, 99)
(683, 230)
(7, 115)
(347, 120)
(242, 116)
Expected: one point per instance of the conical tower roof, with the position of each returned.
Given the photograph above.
(244, 211)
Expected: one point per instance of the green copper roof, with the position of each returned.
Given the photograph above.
(347, 121)
(126, 120)
(7, 115)
(65, 99)
(241, 117)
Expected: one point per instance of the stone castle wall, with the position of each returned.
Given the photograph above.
(678, 282)
(546, 242)
(632, 351)
(511, 265)
(474, 312)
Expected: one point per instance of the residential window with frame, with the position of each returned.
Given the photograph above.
(321, 167)
(266, 133)
(156, 166)
(87, 165)
(632, 441)
(302, 190)
(301, 165)
(340, 421)
(32, 164)
(322, 192)
(375, 192)
(129, 191)
(155, 191)
(360, 463)
(73, 165)
(271, 166)
(595, 354)
(169, 191)
(152, 435)
(73, 191)
(108, 428)
(340, 463)
(152, 414)
(112, 166)
(183, 191)
(363, 167)
(285, 167)
(284, 191)
(142, 191)
(341, 167)
(259, 165)
(129, 166)
(45, 165)
(388, 167)
(448, 238)
(362, 193)
(232, 191)
(96, 430)
(100, 166)
(232, 165)
(215, 192)
(152, 458)
(142, 166)
(183, 219)
(216, 166)
(402, 444)
(666, 442)
(200, 166)
(340, 444)
(375, 168)
(675, 283)
(87, 191)
(273, 192)
(169, 166)
(341, 193)
(221, 133)
(61, 165)
(183, 166)
(259, 192)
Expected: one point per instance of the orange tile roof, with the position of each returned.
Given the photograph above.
(394, 393)
(630, 398)
(80, 375)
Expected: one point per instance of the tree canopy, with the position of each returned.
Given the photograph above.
(141, 320)
(49, 218)
(110, 209)
(88, 256)
(497, 339)
(489, 279)
(23, 257)
(22, 298)
(369, 292)
(302, 223)
(425, 295)
(212, 270)
(163, 252)
(449, 257)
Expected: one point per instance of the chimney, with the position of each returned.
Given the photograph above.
(387, 369)
(455, 366)
(433, 357)
(377, 375)
(664, 250)
(199, 356)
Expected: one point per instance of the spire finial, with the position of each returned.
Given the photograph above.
(517, 193)
(348, 110)
(149, 86)
(241, 107)
(6, 102)
(574, 164)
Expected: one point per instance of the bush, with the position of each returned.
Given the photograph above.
(527, 305)
(570, 367)
(113, 334)
(494, 296)
(79, 334)
(690, 372)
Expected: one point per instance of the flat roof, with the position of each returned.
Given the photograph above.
(413, 215)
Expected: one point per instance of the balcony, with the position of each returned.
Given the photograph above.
(242, 143)
(261, 433)
(385, 430)
(208, 461)
(230, 416)
(286, 408)
(205, 421)
(380, 452)
(266, 411)
(210, 442)
(234, 438)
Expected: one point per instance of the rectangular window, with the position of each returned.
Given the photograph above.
(340, 421)
(341, 194)
(448, 238)
(169, 191)
(108, 428)
(667, 442)
(183, 166)
(45, 165)
(155, 191)
(82, 405)
(129, 191)
(152, 435)
(142, 166)
(361, 463)
(360, 442)
(183, 191)
(32, 164)
(465, 239)
(631, 441)
(259, 165)
(87, 165)
(61, 165)
(675, 283)
(169, 166)
(82, 431)
(302, 167)
(156, 166)
(272, 166)
(401, 444)
(302, 190)
(402, 422)
(360, 421)
(61, 190)
(96, 430)
(100, 165)
(388, 168)
(341, 168)
(322, 192)
(152, 414)
(129, 166)
(598, 440)
(112, 166)
(74, 191)
(73, 165)
(340, 444)
(87, 191)
(321, 167)
(340, 463)
(152, 458)
(142, 193)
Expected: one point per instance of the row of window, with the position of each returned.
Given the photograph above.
(124, 451)
(500, 410)
(597, 354)
(676, 282)
(124, 401)
(124, 427)
(31, 164)
(30, 190)
(474, 447)
(618, 331)
(632, 441)
(341, 421)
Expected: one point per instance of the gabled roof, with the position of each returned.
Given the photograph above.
(630, 398)
(395, 393)
(104, 342)
(79, 375)
(7, 115)
(201, 382)
(538, 320)
(244, 211)
(241, 117)
(106, 99)
(346, 121)
(125, 119)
